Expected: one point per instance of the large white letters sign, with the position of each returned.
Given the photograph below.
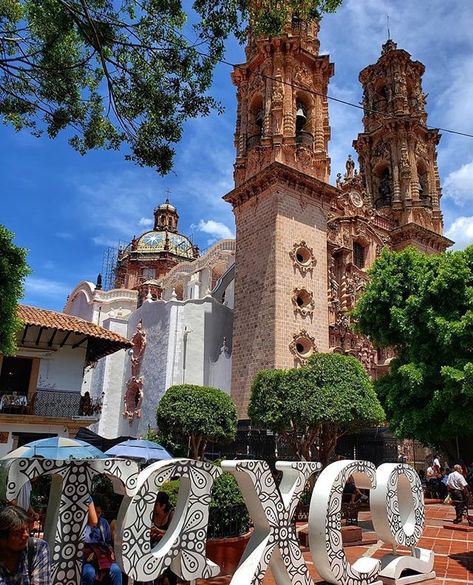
(68, 503)
(274, 541)
(396, 502)
(325, 520)
(397, 509)
(183, 546)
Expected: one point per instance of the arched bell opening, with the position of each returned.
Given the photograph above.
(423, 178)
(383, 192)
(303, 120)
(256, 122)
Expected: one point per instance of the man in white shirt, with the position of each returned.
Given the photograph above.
(458, 490)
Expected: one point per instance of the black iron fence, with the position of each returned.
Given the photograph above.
(376, 445)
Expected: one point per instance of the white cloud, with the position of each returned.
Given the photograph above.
(46, 287)
(115, 202)
(461, 232)
(145, 222)
(105, 242)
(215, 228)
(459, 184)
(64, 235)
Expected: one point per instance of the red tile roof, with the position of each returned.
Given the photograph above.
(101, 341)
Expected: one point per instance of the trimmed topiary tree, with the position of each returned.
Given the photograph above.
(316, 404)
(194, 415)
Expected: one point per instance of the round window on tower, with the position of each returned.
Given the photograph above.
(302, 346)
(303, 257)
(303, 301)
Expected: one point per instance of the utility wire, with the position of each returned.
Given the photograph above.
(332, 98)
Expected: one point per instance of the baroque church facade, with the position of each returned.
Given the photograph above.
(284, 288)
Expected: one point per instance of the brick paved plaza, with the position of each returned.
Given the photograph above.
(453, 549)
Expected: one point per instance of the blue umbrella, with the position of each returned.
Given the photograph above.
(139, 449)
(57, 448)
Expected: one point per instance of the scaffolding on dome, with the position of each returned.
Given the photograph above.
(109, 264)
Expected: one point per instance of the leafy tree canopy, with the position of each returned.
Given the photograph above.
(315, 404)
(197, 414)
(13, 270)
(122, 71)
(423, 307)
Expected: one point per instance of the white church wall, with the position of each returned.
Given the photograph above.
(200, 326)
(156, 320)
(111, 373)
(220, 374)
(80, 304)
(183, 342)
(62, 370)
(229, 300)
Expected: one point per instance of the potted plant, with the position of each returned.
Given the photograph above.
(229, 524)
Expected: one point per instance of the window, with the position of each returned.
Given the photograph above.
(148, 273)
(15, 375)
(358, 255)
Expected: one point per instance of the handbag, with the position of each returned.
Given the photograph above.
(99, 554)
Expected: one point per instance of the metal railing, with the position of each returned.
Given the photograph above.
(55, 403)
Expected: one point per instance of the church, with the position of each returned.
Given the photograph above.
(284, 287)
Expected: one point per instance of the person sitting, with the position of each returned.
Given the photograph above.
(99, 558)
(23, 559)
(160, 521)
(351, 493)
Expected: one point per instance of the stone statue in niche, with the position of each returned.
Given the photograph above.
(133, 398)
(350, 168)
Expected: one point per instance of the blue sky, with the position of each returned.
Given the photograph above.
(66, 209)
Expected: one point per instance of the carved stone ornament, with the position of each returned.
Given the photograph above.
(381, 151)
(304, 157)
(133, 398)
(303, 77)
(421, 149)
(356, 199)
(303, 257)
(303, 301)
(302, 346)
(278, 93)
(256, 85)
(139, 345)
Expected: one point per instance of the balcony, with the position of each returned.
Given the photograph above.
(47, 403)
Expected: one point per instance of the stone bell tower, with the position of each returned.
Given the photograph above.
(397, 152)
(281, 200)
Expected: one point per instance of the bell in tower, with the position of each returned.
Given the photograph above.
(282, 105)
(397, 152)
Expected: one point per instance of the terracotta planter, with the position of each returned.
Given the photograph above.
(227, 552)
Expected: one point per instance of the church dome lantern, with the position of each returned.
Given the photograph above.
(166, 217)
